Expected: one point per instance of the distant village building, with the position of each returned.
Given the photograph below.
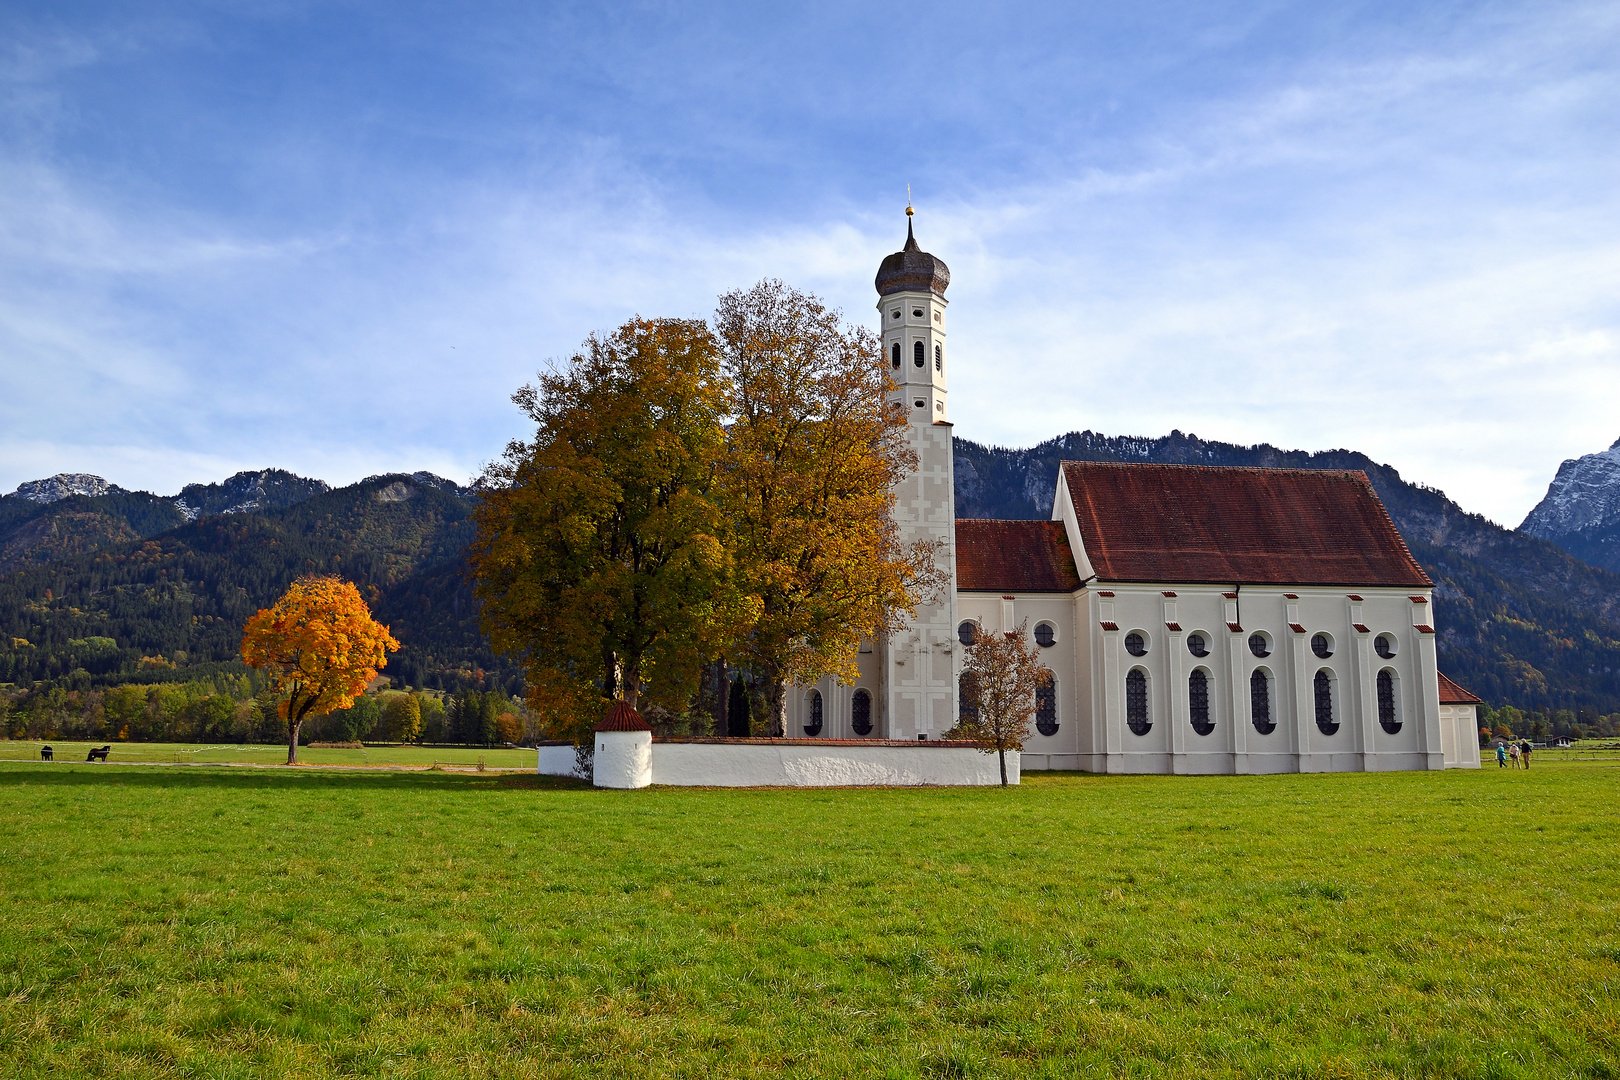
(1195, 619)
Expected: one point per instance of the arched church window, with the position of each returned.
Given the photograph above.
(860, 713)
(917, 354)
(1260, 702)
(967, 633)
(1322, 646)
(1323, 687)
(1384, 646)
(1197, 645)
(967, 698)
(1135, 644)
(895, 353)
(1387, 716)
(1045, 635)
(1136, 702)
(1046, 708)
(813, 725)
(1260, 645)
(939, 359)
(1198, 701)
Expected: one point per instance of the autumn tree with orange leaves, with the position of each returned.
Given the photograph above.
(1000, 676)
(812, 456)
(321, 647)
(604, 560)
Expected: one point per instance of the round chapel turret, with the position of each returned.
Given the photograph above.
(912, 269)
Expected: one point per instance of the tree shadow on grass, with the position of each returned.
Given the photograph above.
(226, 778)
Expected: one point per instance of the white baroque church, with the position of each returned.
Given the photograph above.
(1195, 619)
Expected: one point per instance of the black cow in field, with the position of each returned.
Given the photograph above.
(98, 753)
(46, 754)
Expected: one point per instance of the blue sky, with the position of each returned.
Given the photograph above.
(335, 237)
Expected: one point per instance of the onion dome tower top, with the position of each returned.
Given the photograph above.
(912, 269)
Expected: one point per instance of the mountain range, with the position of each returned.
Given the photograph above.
(99, 584)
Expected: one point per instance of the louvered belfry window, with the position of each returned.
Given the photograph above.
(1198, 701)
(1260, 703)
(896, 354)
(916, 354)
(1386, 702)
(1136, 702)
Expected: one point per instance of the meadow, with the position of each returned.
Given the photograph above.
(157, 753)
(245, 922)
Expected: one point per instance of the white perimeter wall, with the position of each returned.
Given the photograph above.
(557, 759)
(799, 765)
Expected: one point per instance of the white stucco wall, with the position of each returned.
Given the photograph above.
(557, 759)
(623, 759)
(809, 763)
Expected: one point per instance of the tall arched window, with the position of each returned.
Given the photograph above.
(967, 698)
(1136, 702)
(1046, 708)
(895, 353)
(813, 702)
(1198, 701)
(860, 713)
(917, 354)
(1260, 702)
(1323, 686)
(1388, 718)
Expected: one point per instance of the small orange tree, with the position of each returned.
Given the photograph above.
(321, 647)
(999, 680)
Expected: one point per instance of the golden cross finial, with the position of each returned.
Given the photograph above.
(909, 210)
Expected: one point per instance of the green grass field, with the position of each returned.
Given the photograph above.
(243, 922)
(230, 753)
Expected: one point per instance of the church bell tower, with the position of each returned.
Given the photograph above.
(919, 661)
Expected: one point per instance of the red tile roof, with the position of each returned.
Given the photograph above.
(621, 716)
(1418, 599)
(1296, 628)
(1352, 596)
(1110, 625)
(1205, 524)
(1452, 694)
(1234, 627)
(1361, 628)
(1014, 556)
(1424, 629)
(1173, 627)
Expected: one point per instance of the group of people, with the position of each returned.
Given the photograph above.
(1513, 755)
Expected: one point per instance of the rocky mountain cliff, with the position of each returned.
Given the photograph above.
(1581, 510)
(1521, 621)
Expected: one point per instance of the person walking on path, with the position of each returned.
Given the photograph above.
(1501, 755)
(1524, 752)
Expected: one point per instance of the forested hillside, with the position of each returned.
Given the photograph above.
(173, 603)
(1521, 621)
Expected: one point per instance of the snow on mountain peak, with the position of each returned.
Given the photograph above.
(1584, 494)
(64, 485)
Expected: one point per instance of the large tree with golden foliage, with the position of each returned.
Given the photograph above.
(999, 678)
(603, 558)
(812, 455)
(321, 647)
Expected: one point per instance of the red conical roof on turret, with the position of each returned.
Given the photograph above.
(622, 716)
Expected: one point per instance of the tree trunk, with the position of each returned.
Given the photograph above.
(1001, 753)
(722, 700)
(292, 741)
(631, 679)
(776, 703)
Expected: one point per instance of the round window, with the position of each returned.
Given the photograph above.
(1384, 646)
(1197, 645)
(1135, 644)
(1260, 645)
(1322, 646)
(967, 633)
(1045, 635)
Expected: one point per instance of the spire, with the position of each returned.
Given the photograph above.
(911, 241)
